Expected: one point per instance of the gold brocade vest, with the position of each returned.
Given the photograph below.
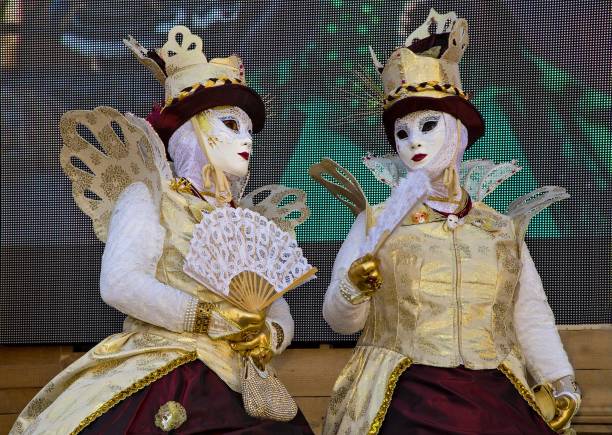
(179, 213)
(447, 295)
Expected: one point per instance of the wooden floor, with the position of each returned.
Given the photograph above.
(310, 373)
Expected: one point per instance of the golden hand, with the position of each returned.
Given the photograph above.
(249, 324)
(258, 348)
(567, 401)
(364, 273)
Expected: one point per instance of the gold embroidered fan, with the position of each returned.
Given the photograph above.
(245, 258)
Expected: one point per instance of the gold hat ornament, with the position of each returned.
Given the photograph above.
(423, 74)
(193, 84)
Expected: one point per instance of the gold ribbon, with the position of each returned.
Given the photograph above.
(209, 171)
(222, 185)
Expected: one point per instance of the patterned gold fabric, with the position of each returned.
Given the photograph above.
(447, 300)
(117, 367)
(126, 362)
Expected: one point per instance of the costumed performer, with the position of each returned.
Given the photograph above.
(164, 372)
(453, 314)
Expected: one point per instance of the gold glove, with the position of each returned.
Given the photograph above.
(567, 401)
(558, 403)
(223, 320)
(258, 348)
(246, 323)
(365, 275)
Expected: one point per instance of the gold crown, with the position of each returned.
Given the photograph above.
(432, 72)
(185, 67)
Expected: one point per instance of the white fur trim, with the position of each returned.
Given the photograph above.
(535, 327)
(342, 316)
(133, 248)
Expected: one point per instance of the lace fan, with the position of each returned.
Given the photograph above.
(245, 258)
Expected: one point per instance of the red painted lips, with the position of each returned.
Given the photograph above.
(418, 157)
(244, 155)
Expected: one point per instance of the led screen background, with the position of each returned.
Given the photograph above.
(540, 75)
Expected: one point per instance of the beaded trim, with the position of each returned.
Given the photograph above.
(134, 388)
(210, 83)
(391, 383)
(190, 314)
(399, 92)
(522, 389)
(350, 294)
(202, 317)
(280, 334)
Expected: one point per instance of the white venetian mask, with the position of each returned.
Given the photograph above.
(428, 140)
(229, 140)
(227, 131)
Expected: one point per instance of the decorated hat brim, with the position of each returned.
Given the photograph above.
(452, 104)
(177, 112)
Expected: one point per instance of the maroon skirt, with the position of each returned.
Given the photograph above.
(212, 408)
(457, 401)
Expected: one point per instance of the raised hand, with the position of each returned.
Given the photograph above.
(364, 273)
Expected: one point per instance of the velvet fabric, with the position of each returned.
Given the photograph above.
(457, 401)
(212, 408)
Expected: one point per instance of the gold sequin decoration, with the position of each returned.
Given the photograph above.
(420, 87)
(391, 383)
(171, 415)
(280, 334)
(202, 317)
(211, 83)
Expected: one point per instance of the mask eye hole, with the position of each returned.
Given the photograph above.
(402, 134)
(231, 124)
(429, 125)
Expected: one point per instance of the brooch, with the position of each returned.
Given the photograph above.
(170, 416)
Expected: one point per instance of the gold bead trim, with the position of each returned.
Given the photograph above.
(280, 334)
(134, 388)
(524, 391)
(399, 92)
(210, 83)
(352, 296)
(202, 317)
(391, 383)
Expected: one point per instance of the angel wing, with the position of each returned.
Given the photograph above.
(481, 177)
(285, 206)
(340, 183)
(103, 153)
(522, 209)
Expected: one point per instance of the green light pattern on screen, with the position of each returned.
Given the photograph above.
(359, 25)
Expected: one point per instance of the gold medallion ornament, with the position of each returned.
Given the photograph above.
(171, 415)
